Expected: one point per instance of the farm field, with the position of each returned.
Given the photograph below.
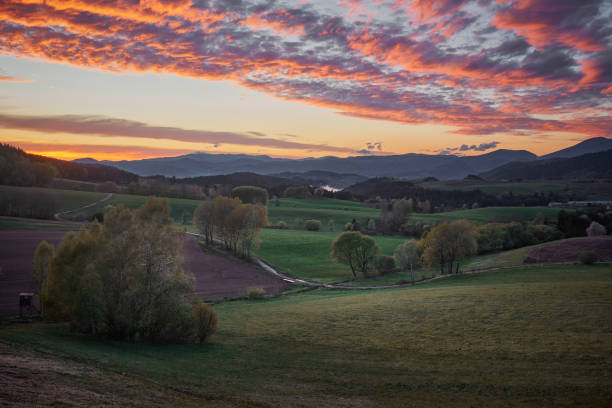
(341, 211)
(305, 254)
(217, 276)
(506, 338)
(66, 199)
(488, 214)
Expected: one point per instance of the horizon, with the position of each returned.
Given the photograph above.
(298, 79)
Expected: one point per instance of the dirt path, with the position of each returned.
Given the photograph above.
(58, 216)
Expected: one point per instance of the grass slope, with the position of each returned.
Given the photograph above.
(305, 254)
(528, 338)
(66, 199)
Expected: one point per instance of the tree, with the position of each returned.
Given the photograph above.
(447, 243)
(356, 250)
(203, 220)
(407, 256)
(251, 194)
(42, 259)
(394, 216)
(123, 279)
(596, 229)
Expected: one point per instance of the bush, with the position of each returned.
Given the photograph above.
(384, 264)
(282, 225)
(255, 292)
(596, 229)
(299, 223)
(588, 258)
(206, 320)
(313, 225)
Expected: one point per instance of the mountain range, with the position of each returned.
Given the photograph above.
(407, 166)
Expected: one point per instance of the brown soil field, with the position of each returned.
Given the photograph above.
(569, 250)
(217, 276)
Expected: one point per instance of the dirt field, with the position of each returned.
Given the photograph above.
(569, 250)
(217, 276)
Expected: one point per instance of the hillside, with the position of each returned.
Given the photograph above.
(593, 145)
(16, 166)
(592, 165)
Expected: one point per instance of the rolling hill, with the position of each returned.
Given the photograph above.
(592, 165)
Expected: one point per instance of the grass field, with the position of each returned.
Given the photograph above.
(66, 199)
(533, 337)
(305, 254)
(489, 214)
(340, 211)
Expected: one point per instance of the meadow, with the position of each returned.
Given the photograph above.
(508, 338)
(305, 254)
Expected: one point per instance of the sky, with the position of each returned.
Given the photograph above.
(129, 79)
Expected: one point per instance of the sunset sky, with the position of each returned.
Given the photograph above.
(128, 79)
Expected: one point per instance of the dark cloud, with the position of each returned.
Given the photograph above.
(113, 127)
(552, 56)
(466, 148)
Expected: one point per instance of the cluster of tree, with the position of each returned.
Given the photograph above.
(447, 243)
(394, 214)
(123, 279)
(17, 169)
(298, 192)
(231, 221)
(428, 200)
(251, 194)
(493, 237)
(29, 203)
(575, 223)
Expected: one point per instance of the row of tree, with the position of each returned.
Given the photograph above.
(445, 245)
(232, 222)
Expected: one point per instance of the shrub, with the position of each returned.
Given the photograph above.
(384, 264)
(588, 258)
(297, 192)
(313, 225)
(255, 292)
(596, 229)
(206, 320)
(332, 225)
(299, 223)
(282, 225)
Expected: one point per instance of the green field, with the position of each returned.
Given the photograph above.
(530, 338)
(66, 199)
(340, 211)
(488, 214)
(178, 207)
(305, 254)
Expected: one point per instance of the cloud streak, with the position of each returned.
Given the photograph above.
(114, 127)
(482, 67)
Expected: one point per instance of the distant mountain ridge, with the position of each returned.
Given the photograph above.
(410, 165)
(593, 145)
(590, 165)
(406, 166)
